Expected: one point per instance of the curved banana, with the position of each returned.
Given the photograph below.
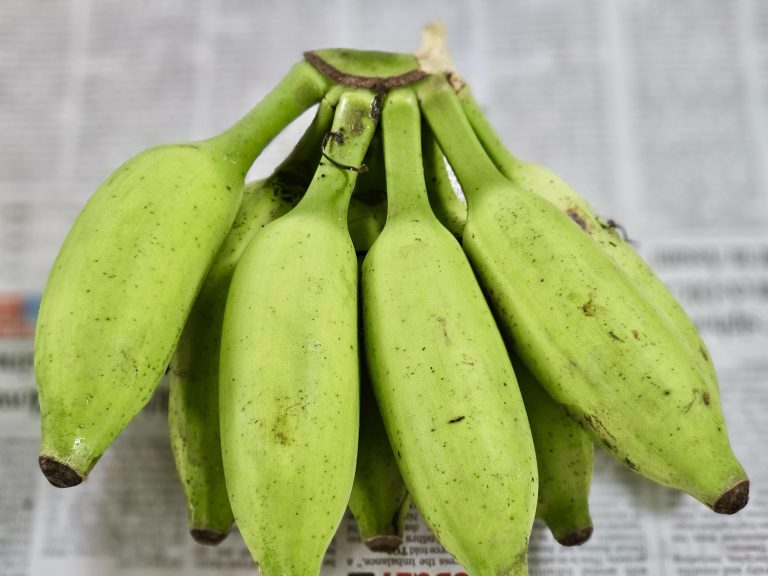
(379, 500)
(441, 374)
(193, 404)
(564, 451)
(542, 181)
(125, 278)
(289, 390)
(564, 454)
(584, 329)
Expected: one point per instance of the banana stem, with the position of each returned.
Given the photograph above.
(353, 127)
(448, 208)
(501, 157)
(401, 129)
(300, 164)
(302, 87)
(456, 137)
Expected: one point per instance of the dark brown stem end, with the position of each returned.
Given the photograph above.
(377, 83)
(388, 543)
(576, 537)
(59, 474)
(208, 537)
(733, 499)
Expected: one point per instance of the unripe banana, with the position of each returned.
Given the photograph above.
(583, 328)
(441, 375)
(564, 451)
(289, 396)
(564, 454)
(542, 181)
(122, 285)
(193, 409)
(379, 500)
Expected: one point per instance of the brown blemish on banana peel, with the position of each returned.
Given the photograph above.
(589, 307)
(575, 215)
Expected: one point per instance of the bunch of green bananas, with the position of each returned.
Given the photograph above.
(467, 365)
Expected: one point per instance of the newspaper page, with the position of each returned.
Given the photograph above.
(656, 111)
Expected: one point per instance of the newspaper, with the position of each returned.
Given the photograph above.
(656, 111)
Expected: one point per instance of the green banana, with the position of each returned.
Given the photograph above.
(441, 374)
(583, 328)
(289, 390)
(448, 207)
(564, 454)
(564, 451)
(126, 276)
(379, 500)
(193, 409)
(542, 181)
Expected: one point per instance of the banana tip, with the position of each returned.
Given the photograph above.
(207, 537)
(59, 474)
(575, 537)
(384, 543)
(733, 499)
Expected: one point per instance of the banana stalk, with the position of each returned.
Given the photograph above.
(448, 207)
(368, 205)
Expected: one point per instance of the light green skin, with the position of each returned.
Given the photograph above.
(119, 292)
(581, 325)
(289, 396)
(193, 409)
(435, 356)
(542, 181)
(564, 455)
(126, 276)
(379, 499)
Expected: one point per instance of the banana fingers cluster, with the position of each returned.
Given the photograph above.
(348, 332)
